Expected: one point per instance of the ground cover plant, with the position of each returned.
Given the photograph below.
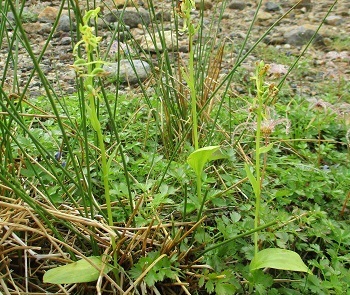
(180, 185)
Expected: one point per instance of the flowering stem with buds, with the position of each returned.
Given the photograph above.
(264, 92)
(259, 86)
(90, 68)
(185, 12)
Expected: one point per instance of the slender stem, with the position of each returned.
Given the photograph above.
(15, 65)
(199, 195)
(259, 104)
(93, 116)
(193, 93)
(240, 236)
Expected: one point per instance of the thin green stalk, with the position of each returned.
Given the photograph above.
(259, 104)
(193, 92)
(93, 69)
(245, 234)
(15, 64)
(185, 12)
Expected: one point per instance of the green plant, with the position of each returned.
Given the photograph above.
(185, 9)
(272, 257)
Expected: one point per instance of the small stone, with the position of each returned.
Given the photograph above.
(271, 7)
(127, 3)
(37, 28)
(128, 71)
(164, 16)
(204, 5)
(334, 20)
(65, 24)
(66, 40)
(264, 18)
(238, 5)
(27, 16)
(154, 43)
(304, 3)
(300, 36)
(65, 56)
(131, 18)
(48, 15)
(70, 90)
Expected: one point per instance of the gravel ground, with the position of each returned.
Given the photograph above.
(330, 63)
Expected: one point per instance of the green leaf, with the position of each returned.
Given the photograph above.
(81, 271)
(200, 157)
(265, 148)
(225, 289)
(251, 178)
(278, 259)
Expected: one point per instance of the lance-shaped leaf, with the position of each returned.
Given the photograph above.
(278, 259)
(82, 271)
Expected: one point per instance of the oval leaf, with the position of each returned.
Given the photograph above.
(200, 157)
(265, 148)
(278, 259)
(82, 271)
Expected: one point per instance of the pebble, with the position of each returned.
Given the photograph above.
(334, 20)
(48, 15)
(168, 38)
(272, 6)
(204, 5)
(66, 40)
(65, 24)
(128, 71)
(238, 5)
(131, 18)
(264, 18)
(300, 36)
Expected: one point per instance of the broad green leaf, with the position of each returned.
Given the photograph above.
(225, 289)
(265, 148)
(279, 259)
(200, 157)
(81, 271)
(251, 178)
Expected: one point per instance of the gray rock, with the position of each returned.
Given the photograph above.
(164, 16)
(131, 18)
(304, 4)
(272, 6)
(334, 20)
(238, 5)
(130, 71)
(65, 24)
(300, 36)
(66, 40)
(153, 43)
(27, 16)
